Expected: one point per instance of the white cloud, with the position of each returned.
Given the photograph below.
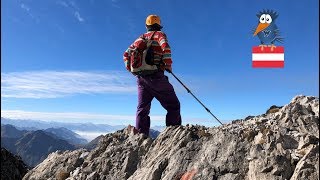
(73, 7)
(71, 116)
(111, 119)
(78, 16)
(62, 3)
(115, 3)
(55, 84)
(76, 11)
(28, 11)
(89, 136)
(25, 7)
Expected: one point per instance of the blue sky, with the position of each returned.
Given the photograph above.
(61, 60)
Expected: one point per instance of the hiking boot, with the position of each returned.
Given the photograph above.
(132, 130)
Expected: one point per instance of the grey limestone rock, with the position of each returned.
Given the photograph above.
(281, 145)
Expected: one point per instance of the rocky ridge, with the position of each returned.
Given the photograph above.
(282, 144)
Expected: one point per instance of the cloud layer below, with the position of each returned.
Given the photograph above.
(79, 117)
(95, 118)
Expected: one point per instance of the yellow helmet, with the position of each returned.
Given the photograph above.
(153, 19)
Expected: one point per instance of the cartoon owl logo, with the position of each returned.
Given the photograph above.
(267, 30)
(267, 55)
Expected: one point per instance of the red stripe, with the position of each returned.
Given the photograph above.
(257, 49)
(267, 64)
(168, 61)
(164, 45)
(167, 51)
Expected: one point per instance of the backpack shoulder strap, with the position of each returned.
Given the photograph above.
(152, 34)
(149, 40)
(143, 36)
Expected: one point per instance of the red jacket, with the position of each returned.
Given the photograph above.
(159, 45)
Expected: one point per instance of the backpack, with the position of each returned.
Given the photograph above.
(141, 57)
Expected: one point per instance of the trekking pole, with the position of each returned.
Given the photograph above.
(168, 70)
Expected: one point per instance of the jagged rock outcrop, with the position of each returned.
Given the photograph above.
(282, 144)
(273, 109)
(12, 167)
(115, 157)
(93, 144)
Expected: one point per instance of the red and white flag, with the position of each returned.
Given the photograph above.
(266, 58)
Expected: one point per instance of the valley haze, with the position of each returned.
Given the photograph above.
(88, 131)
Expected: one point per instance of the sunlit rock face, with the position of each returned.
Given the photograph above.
(281, 144)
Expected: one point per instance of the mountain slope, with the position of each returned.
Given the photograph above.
(94, 143)
(34, 146)
(282, 144)
(10, 131)
(66, 134)
(12, 167)
(35, 124)
(9, 137)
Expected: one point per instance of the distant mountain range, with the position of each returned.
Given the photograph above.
(66, 134)
(34, 140)
(36, 124)
(9, 131)
(83, 129)
(158, 128)
(33, 146)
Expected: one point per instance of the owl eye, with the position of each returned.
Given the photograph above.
(268, 19)
(262, 18)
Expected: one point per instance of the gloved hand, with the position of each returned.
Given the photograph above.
(166, 67)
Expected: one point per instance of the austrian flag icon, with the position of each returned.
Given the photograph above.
(268, 58)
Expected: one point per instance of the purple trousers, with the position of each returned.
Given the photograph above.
(156, 86)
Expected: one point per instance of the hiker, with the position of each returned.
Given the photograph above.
(151, 81)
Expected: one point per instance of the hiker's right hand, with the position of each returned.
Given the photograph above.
(166, 68)
(169, 69)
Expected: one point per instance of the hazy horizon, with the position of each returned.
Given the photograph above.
(63, 59)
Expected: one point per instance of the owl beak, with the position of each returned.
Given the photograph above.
(261, 27)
